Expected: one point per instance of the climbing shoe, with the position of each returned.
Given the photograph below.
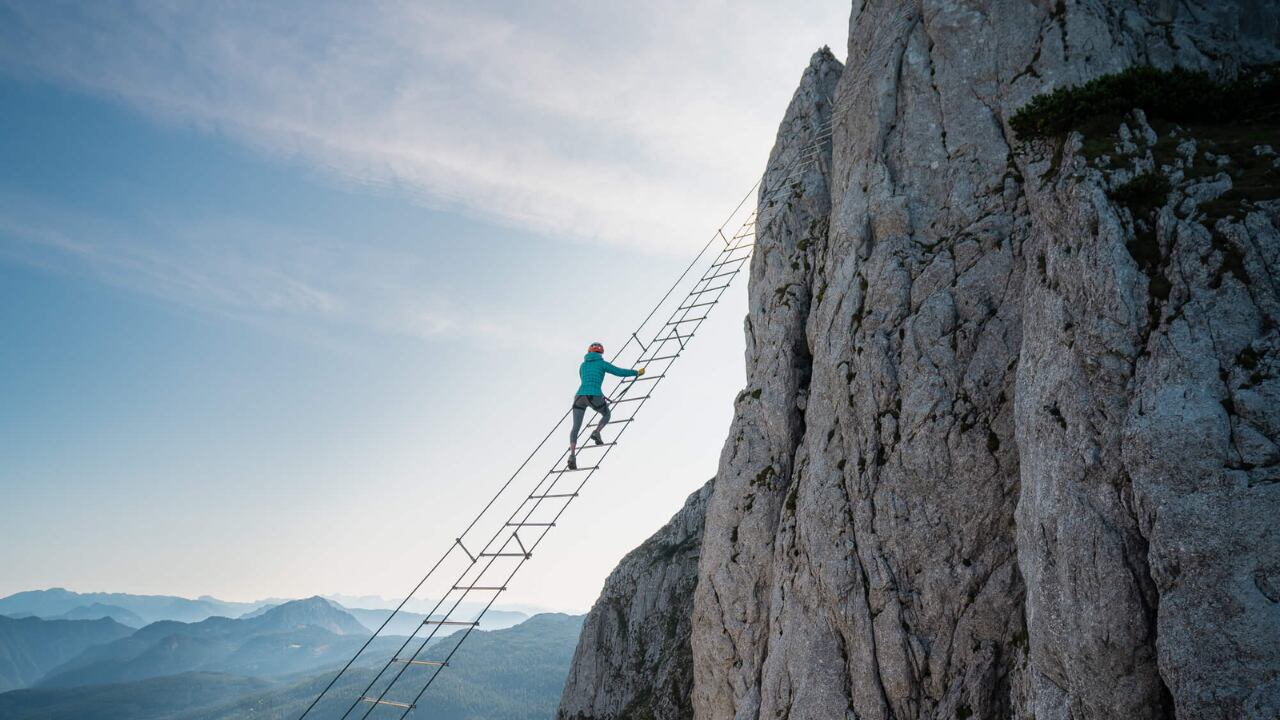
(573, 463)
(595, 437)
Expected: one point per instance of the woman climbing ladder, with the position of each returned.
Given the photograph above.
(591, 372)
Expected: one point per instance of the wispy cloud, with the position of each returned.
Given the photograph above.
(256, 272)
(623, 123)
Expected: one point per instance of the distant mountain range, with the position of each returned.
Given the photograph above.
(271, 665)
(146, 609)
(105, 656)
(425, 605)
(95, 611)
(512, 674)
(31, 647)
(139, 610)
(406, 623)
(296, 636)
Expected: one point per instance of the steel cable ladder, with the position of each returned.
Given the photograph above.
(489, 568)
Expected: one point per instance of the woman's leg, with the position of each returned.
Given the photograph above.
(578, 412)
(603, 409)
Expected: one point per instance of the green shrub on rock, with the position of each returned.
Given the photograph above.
(1177, 95)
(1142, 194)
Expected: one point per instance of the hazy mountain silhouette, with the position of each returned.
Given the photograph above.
(499, 675)
(406, 623)
(298, 635)
(509, 674)
(149, 608)
(424, 605)
(31, 647)
(94, 611)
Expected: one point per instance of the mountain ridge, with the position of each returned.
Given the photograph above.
(31, 647)
(56, 601)
(500, 675)
(303, 633)
(96, 610)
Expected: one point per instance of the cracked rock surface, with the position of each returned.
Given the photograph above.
(633, 658)
(1009, 448)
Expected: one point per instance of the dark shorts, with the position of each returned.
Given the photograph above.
(595, 402)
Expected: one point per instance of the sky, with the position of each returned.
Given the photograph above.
(287, 290)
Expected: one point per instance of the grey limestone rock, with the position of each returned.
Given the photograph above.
(633, 658)
(1009, 448)
(1015, 444)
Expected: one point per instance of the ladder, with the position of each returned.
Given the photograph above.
(483, 562)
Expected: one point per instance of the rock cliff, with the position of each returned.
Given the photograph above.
(633, 658)
(1009, 442)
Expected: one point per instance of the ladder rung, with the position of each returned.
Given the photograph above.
(502, 554)
(724, 274)
(495, 588)
(732, 260)
(634, 399)
(698, 305)
(429, 621)
(817, 138)
(678, 322)
(646, 377)
(674, 336)
(699, 292)
(593, 445)
(611, 422)
(657, 359)
(581, 469)
(435, 663)
(528, 524)
(553, 495)
(392, 703)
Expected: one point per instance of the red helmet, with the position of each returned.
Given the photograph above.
(596, 348)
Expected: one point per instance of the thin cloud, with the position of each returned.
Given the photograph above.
(253, 272)
(215, 277)
(590, 121)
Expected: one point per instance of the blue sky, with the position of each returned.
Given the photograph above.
(286, 291)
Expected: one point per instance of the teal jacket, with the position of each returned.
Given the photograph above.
(592, 371)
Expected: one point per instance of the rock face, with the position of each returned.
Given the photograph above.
(1009, 448)
(633, 658)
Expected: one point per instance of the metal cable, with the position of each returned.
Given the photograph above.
(554, 520)
(539, 489)
(803, 159)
